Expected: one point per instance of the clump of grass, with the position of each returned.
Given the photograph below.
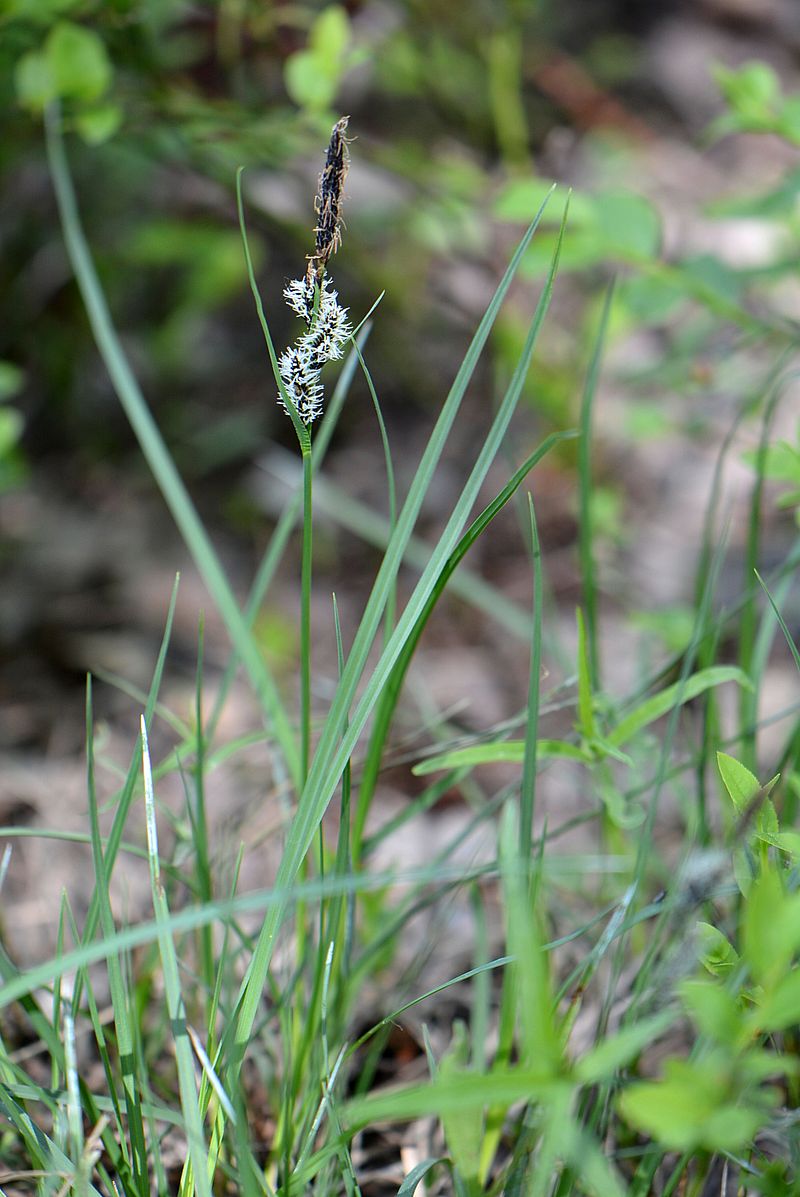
(254, 1073)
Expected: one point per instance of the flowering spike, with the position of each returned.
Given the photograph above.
(313, 298)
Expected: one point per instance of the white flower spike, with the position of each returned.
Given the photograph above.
(313, 299)
(324, 341)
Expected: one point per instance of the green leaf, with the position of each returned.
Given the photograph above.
(521, 197)
(12, 380)
(463, 1129)
(608, 224)
(781, 462)
(690, 1108)
(705, 273)
(716, 952)
(662, 703)
(502, 751)
(99, 123)
(751, 91)
(627, 224)
(306, 83)
(743, 869)
(330, 35)
(602, 747)
(780, 1007)
(770, 927)
(11, 425)
(789, 119)
(312, 75)
(416, 1176)
(78, 61)
(787, 841)
(541, 1034)
(713, 1010)
(650, 298)
(615, 1052)
(34, 82)
(741, 784)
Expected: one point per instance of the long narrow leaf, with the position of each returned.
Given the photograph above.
(334, 749)
(154, 449)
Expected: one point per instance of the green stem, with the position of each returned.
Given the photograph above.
(305, 619)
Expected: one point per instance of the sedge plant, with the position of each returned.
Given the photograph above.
(223, 1042)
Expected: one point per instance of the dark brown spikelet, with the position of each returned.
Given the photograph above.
(329, 201)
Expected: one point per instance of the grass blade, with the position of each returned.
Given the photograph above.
(153, 447)
(198, 1153)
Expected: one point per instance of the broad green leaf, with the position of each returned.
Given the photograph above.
(767, 825)
(313, 75)
(770, 927)
(78, 60)
(330, 35)
(520, 197)
(650, 298)
(34, 82)
(732, 1127)
(780, 1007)
(741, 784)
(705, 273)
(751, 90)
(691, 1108)
(609, 224)
(744, 788)
(99, 123)
(713, 1010)
(307, 84)
(627, 224)
(681, 692)
(760, 1064)
(716, 952)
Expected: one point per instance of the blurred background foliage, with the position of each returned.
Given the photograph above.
(463, 114)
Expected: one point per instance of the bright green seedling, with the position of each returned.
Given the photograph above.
(706, 1104)
(719, 1099)
(72, 66)
(757, 103)
(313, 75)
(758, 819)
